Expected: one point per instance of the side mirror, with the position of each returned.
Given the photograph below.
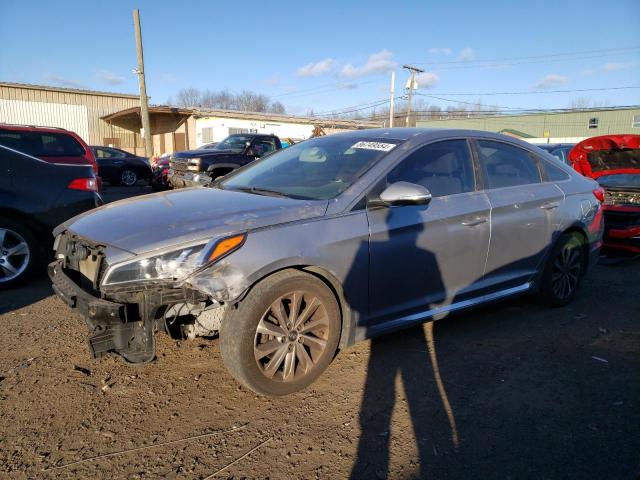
(405, 193)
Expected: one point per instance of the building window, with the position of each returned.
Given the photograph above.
(235, 131)
(207, 135)
(636, 121)
(593, 123)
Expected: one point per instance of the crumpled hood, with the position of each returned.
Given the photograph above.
(160, 220)
(606, 155)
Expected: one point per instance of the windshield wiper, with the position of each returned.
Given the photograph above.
(262, 191)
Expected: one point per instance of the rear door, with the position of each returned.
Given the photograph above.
(424, 256)
(522, 212)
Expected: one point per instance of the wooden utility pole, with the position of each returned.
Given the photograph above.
(144, 100)
(393, 92)
(410, 86)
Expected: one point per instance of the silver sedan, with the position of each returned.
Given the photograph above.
(331, 241)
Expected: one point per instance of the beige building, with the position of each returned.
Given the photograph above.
(113, 119)
(73, 109)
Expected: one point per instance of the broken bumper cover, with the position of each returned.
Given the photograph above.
(111, 330)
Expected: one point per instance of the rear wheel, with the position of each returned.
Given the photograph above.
(128, 177)
(283, 335)
(18, 253)
(564, 270)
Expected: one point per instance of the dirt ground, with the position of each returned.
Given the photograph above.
(510, 391)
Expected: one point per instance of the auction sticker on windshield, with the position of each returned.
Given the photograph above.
(383, 147)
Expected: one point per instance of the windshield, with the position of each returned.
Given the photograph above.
(620, 180)
(234, 143)
(318, 169)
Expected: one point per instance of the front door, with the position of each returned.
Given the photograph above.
(422, 257)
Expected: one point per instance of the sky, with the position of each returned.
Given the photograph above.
(334, 55)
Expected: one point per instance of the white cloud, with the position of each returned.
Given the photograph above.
(273, 81)
(551, 80)
(109, 77)
(466, 54)
(610, 67)
(440, 51)
(168, 78)
(62, 81)
(377, 63)
(427, 80)
(317, 68)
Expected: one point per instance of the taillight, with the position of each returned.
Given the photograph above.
(599, 193)
(84, 184)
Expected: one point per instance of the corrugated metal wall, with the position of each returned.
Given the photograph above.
(61, 107)
(568, 124)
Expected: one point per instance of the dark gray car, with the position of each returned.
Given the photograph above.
(326, 243)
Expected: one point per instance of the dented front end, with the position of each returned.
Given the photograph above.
(123, 318)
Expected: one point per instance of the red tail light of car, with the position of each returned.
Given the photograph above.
(84, 184)
(599, 194)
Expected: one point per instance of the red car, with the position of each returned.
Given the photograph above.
(614, 162)
(159, 173)
(53, 145)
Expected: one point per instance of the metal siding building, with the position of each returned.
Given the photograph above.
(72, 109)
(551, 127)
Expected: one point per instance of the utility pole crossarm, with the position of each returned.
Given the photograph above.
(144, 100)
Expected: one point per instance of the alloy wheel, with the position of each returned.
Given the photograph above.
(291, 336)
(14, 255)
(128, 178)
(567, 268)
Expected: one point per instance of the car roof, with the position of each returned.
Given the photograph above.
(33, 128)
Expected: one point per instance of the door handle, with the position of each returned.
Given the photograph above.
(550, 205)
(474, 221)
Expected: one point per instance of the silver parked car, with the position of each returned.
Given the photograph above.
(326, 243)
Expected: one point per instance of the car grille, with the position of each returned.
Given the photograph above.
(614, 197)
(179, 166)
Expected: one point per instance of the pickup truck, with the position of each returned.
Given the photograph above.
(194, 168)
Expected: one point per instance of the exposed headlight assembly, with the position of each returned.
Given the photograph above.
(174, 265)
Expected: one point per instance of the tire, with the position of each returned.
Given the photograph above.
(19, 251)
(128, 177)
(284, 360)
(563, 271)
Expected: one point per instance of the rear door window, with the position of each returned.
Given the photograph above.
(506, 165)
(42, 144)
(444, 168)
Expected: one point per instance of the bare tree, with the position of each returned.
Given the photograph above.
(189, 97)
(244, 101)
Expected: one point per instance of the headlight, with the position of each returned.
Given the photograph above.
(174, 265)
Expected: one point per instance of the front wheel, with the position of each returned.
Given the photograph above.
(283, 335)
(563, 271)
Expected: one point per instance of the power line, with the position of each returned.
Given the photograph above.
(538, 92)
(532, 57)
(322, 89)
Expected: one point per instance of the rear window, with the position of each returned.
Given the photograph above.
(42, 144)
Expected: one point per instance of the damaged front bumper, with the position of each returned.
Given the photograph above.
(622, 228)
(126, 323)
